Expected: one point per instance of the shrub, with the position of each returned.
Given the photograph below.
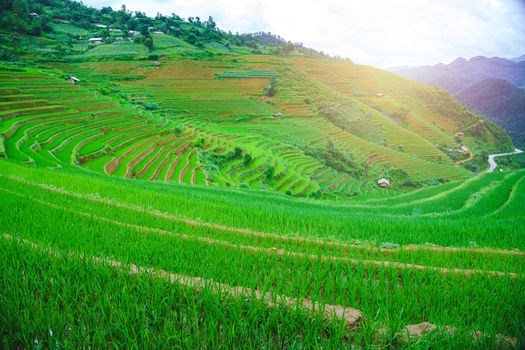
(247, 159)
(269, 173)
(151, 106)
(272, 88)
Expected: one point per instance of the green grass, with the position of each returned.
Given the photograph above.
(248, 74)
(167, 41)
(69, 29)
(285, 204)
(235, 112)
(125, 49)
(96, 212)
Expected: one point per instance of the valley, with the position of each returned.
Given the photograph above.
(168, 184)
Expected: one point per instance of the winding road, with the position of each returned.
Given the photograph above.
(492, 162)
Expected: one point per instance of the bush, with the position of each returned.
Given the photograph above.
(337, 160)
(269, 173)
(272, 88)
(199, 143)
(247, 159)
(151, 106)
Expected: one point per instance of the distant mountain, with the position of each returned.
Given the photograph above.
(502, 102)
(494, 87)
(518, 59)
(462, 73)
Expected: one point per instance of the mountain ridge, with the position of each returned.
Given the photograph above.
(461, 72)
(478, 80)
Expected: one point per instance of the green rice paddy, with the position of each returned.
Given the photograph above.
(180, 205)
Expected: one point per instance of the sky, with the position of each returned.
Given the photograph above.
(382, 33)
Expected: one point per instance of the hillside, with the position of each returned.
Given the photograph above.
(501, 101)
(518, 59)
(210, 121)
(224, 109)
(167, 184)
(275, 269)
(493, 87)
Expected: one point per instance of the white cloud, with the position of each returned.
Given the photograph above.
(375, 32)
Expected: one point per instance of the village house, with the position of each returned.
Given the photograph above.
(72, 80)
(380, 94)
(278, 115)
(383, 183)
(134, 32)
(34, 14)
(157, 64)
(158, 32)
(463, 149)
(460, 134)
(115, 30)
(95, 41)
(100, 26)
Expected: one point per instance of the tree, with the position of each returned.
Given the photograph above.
(105, 34)
(144, 31)
(210, 24)
(192, 39)
(148, 42)
(272, 88)
(247, 159)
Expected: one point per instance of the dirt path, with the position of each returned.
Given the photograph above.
(171, 169)
(194, 174)
(131, 165)
(244, 231)
(468, 159)
(492, 162)
(187, 166)
(350, 315)
(161, 166)
(114, 163)
(272, 250)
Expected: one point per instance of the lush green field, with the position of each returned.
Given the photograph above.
(210, 121)
(423, 256)
(198, 189)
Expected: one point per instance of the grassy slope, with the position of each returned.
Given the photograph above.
(219, 95)
(230, 112)
(164, 226)
(324, 251)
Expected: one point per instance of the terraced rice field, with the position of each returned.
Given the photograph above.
(219, 194)
(47, 122)
(205, 109)
(224, 103)
(169, 265)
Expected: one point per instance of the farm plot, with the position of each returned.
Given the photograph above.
(45, 121)
(338, 285)
(228, 98)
